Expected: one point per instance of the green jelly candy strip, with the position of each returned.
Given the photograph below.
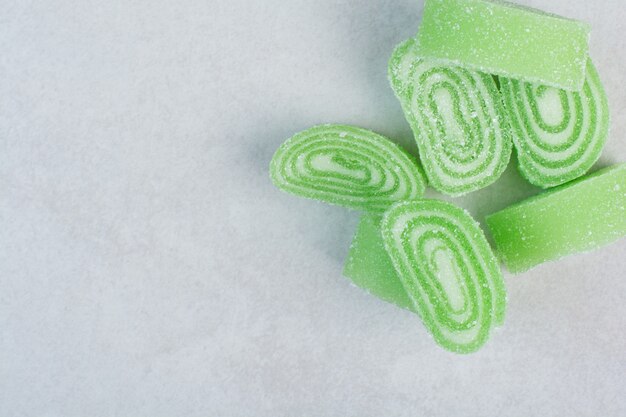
(347, 166)
(558, 134)
(369, 267)
(579, 216)
(505, 39)
(457, 118)
(448, 270)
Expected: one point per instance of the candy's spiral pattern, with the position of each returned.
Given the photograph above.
(347, 166)
(457, 118)
(558, 134)
(448, 270)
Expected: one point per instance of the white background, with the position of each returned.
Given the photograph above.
(149, 268)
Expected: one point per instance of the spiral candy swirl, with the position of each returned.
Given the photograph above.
(346, 166)
(558, 134)
(457, 118)
(448, 270)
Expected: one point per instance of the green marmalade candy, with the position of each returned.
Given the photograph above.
(505, 39)
(579, 216)
(558, 134)
(457, 118)
(368, 265)
(447, 269)
(346, 166)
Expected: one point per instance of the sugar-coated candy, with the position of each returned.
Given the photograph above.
(347, 166)
(400, 64)
(457, 118)
(579, 216)
(558, 134)
(369, 267)
(506, 39)
(447, 269)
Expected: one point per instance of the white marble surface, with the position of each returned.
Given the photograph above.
(149, 268)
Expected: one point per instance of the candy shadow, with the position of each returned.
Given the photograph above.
(366, 34)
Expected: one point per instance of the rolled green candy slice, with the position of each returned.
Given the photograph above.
(457, 118)
(346, 166)
(400, 66)
(505, 39)
(368, 265)
(558, 134)
(579, 216)
(447, 269)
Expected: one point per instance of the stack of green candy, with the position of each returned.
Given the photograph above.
(458, 292)
(480, 78)
(554, 102)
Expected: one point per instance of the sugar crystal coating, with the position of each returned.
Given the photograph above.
(505, 39)
(346, 166)
(558, 134)
(457, 118)
(447, 268)
(579, 216)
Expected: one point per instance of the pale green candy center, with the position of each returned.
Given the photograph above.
(455, 134)
(445, 267)
(337, 164)
(550, 106)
